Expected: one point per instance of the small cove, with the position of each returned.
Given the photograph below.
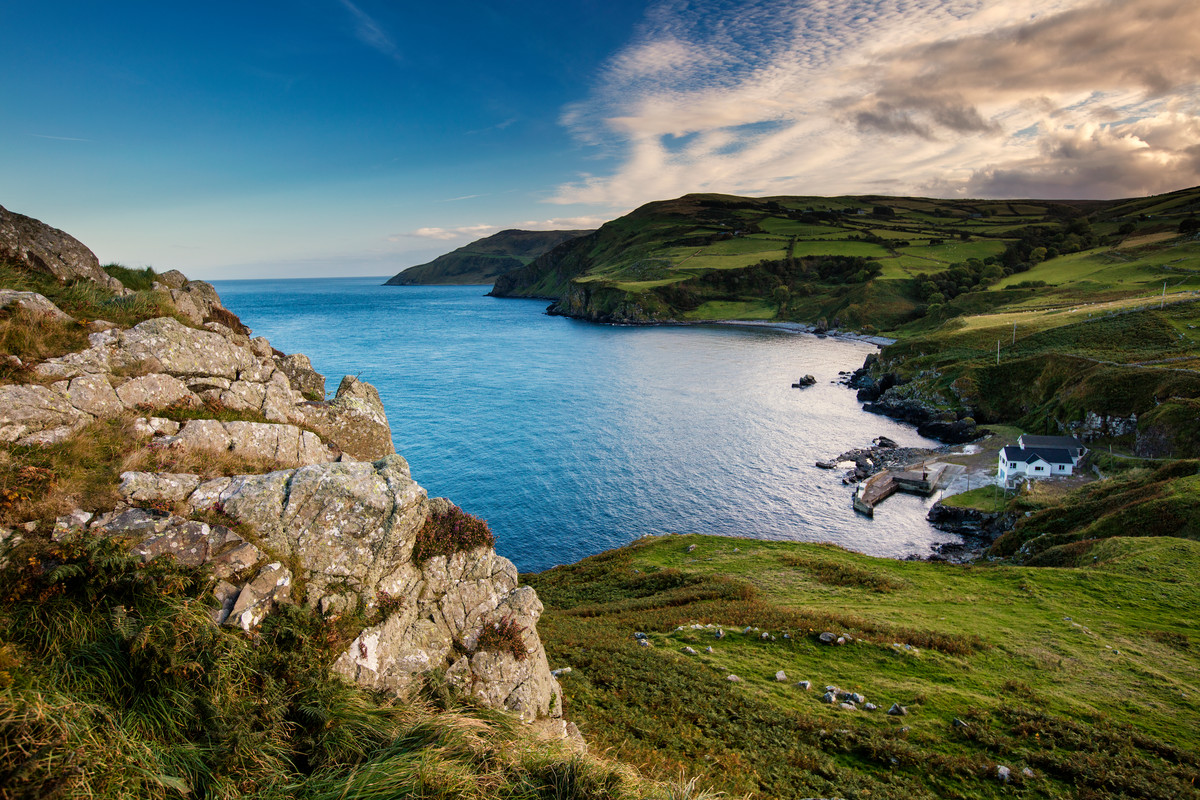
(571, 438)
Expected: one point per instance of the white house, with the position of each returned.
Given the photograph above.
(1040, 457)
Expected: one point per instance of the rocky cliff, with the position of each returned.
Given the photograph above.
(331, 519)
(484, 260)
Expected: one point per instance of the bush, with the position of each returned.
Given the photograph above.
(446, 533)
(504, 636)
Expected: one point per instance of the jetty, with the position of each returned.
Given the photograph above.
(922, 479)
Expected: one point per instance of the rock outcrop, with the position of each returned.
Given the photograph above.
(348, 530)
(355, 419)
(41, 248)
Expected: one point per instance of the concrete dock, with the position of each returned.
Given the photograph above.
(922, 479)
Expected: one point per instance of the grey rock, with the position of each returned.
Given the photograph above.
(30, 409)
(691, 548)
(1003, 774)
(870, 707)
(848, 707)
(709, 649)
(354, 420)
(829, 697)
(558, 673)
(286, 445)
(148, 427)
(644, 642)
(781, 676)
(897, 710)
(173, 279)
(270, 587)
(73, 522)
(140, 487)
(733, 679)
(41, 248)
(1027, 772)
(34, 304)
(958, 723)
(93, 394)
(180, 351)
(155, 391)
(827, 638)
(720, 634)
(805, 685)
(688, 651)
(301, 375)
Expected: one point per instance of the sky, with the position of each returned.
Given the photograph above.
(359, 137)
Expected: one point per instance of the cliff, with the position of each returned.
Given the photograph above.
(224, 454)
(484, 260)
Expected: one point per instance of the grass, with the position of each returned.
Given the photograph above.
(989, 499)
(998, 649)
(114, 683)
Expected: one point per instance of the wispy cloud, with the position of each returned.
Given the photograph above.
(1079, 98)
(58, 138)
(470, 232)
(463, 197)
(371, 33)
(446, 234)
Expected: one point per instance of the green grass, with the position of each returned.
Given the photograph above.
(1082, 674)
(115, 683)
(728, 309)
(990, 499)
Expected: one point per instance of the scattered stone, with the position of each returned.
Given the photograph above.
(829, 697)
(958, 723)
(558, 673)
(766, 635)
(781, 676)
(806, 381)
(848, 707)
(805, 685)
(746, 630)
(33, 303)
(691, 548)
(841, 640)
(870, 706)
(827, 464)
(1004, 774)
(720, 634)
(688, 651)
(885, 442)
(709, 649)
(644, 642)
(827, 638)
(639, 635)
(897, 710)
(1027, 772)
(733, 679)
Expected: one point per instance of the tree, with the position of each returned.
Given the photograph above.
(781, 294)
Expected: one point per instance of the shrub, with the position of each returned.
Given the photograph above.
(504, 637)
(449, 532)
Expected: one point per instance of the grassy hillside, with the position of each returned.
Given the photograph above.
(481, 261)
(867, 262)
(1086, 675)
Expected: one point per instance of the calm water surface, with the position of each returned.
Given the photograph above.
(571, 438)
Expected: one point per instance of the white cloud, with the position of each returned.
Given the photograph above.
(1080, 98)
(445, 234)
(472, 232)
(371, 33)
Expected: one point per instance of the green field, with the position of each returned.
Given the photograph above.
(1087, 676)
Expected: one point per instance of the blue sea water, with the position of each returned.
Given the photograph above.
(571, 438)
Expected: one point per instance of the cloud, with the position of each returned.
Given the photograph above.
(1085, 98)
(371, 33)
(58, 138)
(471, 232)
(445, 234)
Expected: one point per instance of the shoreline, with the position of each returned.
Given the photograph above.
(799, 327)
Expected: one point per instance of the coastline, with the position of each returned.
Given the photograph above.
(798, 327)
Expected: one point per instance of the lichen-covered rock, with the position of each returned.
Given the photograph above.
(94, 395)
(140, 487)
(39, 247)
(180, 351)
(354, 420)
(266, 441)
(269, 588)
(33, 303)
(155, 391)
(302, 376)
(30, 409)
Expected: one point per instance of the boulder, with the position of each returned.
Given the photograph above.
(36, 246)
(173, 279)
(272, 586)
(302, 376)
(354, 420)
(33, 303)
(31, 409)
(286, 445)
(142, 487)
(93, 394)
(180, 351)
(155, 391)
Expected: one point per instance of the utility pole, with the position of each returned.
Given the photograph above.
(1163, 302)
(1014, 331)
(997, 352)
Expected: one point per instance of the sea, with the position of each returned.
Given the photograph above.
(571, 438)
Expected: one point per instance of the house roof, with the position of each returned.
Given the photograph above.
(1026, 455)
(1063, 442)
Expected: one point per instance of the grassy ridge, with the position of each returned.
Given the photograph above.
(1086, 676)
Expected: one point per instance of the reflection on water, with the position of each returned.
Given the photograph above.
(570, 438)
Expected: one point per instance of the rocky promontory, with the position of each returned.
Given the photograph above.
(327, 516)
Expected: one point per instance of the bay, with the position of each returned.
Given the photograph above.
(570, 438)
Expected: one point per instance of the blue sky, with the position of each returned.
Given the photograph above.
(354, 137)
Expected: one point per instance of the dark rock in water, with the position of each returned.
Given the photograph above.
(883, 441)
(807, 380)
(957, 432)
(827, 464)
